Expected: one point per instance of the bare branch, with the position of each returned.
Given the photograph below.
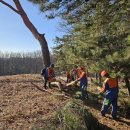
(11, 7)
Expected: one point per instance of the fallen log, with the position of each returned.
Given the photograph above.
(73, 83)
(44, 90)
(60, 83)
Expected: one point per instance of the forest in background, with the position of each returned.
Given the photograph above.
(12, 63)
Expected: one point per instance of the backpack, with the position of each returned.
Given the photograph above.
(43, 71)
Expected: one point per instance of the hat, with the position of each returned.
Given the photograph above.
(52, 65)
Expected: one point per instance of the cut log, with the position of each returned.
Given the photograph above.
(73, 83)
(52, 93)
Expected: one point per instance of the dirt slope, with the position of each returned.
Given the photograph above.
(23, 104)
(93, 105)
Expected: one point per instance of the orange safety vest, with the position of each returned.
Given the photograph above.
(78, 72)
(68, 75)
(50, 73)
(110, 87)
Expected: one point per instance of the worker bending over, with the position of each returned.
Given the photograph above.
(82, 77)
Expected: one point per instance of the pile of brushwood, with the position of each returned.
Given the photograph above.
(73, 116)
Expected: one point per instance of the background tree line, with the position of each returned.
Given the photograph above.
(20, 63)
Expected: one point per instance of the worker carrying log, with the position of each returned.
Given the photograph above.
(83, 82)
(110, 87)
(49, 76)
(76, 71)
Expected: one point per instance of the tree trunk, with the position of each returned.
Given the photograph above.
(100, 79)
(36, 34)
(127, 84)
(45, 51)
(96, 76)
(117, 80)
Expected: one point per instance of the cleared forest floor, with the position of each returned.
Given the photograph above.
(24, 105)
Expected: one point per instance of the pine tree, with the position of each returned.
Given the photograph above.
(99, 34)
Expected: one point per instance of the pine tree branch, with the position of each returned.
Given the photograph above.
(11, 7)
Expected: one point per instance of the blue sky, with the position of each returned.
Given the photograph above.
(14, 35)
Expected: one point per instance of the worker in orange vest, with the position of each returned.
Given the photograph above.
(79, 71)
(82, 77)
(68, 77)
(110, 87)
(51, 74)
(48, 75)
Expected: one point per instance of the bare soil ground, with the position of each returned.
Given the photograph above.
(24, 104)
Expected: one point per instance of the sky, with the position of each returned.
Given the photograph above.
(15, 36)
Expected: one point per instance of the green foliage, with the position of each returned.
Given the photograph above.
(54, 8)
(78, 95)
(101, 38)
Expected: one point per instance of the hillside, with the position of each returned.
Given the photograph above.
(25, 106)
